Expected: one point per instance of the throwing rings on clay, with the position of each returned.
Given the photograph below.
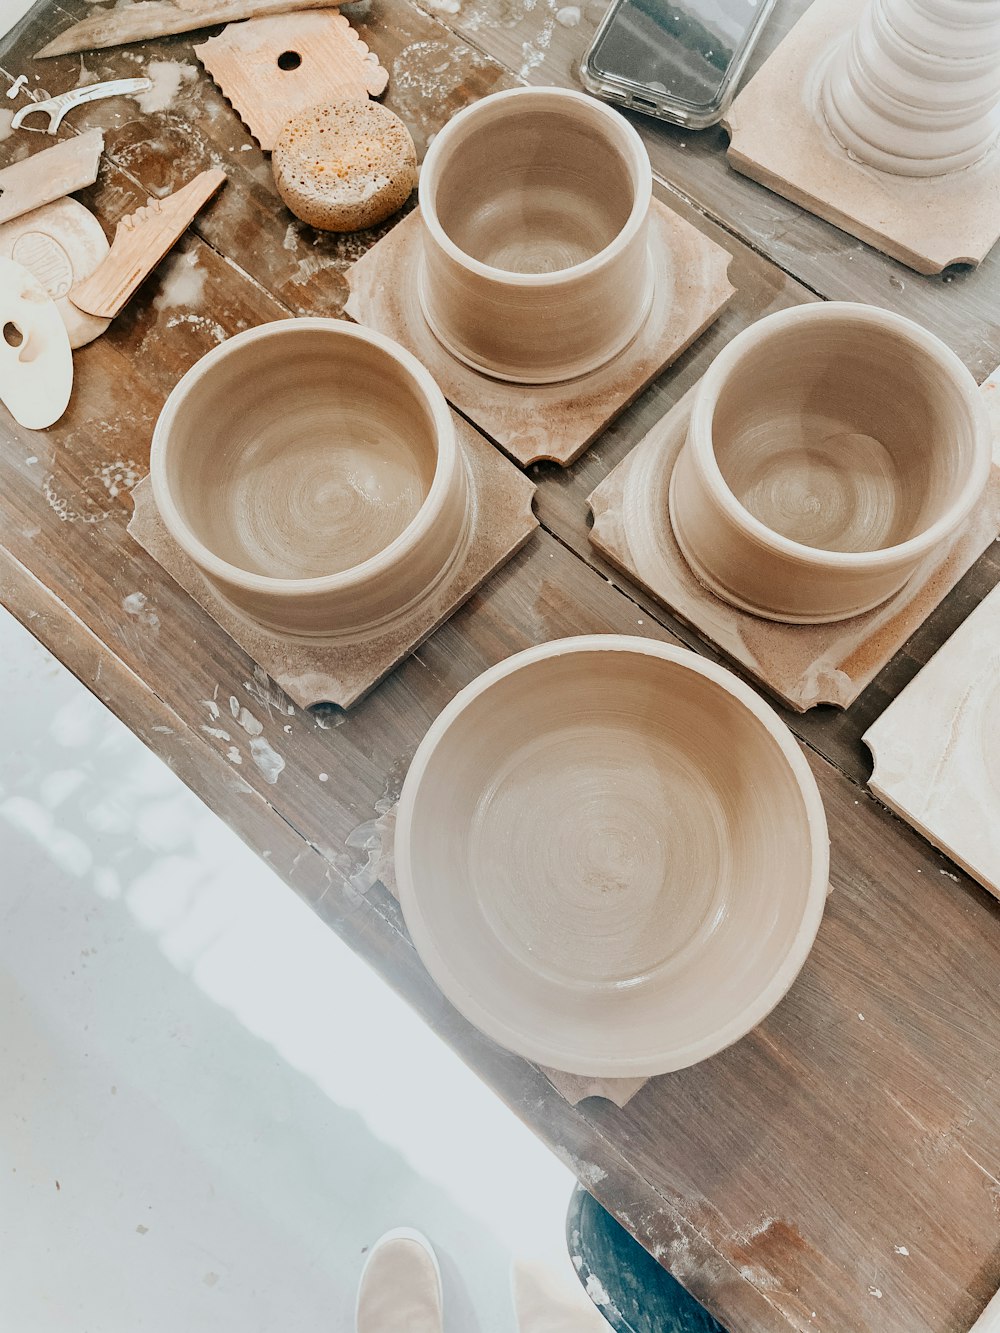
(346, 166)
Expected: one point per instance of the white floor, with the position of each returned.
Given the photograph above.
(208, 1105)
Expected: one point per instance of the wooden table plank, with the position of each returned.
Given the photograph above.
(776, 1179)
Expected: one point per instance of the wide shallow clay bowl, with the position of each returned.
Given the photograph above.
(310, 470)
(611, 856)
(831, 449)
(536, 265)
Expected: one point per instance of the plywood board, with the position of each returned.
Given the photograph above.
(779, 137)
(549, 421)
(274, 68)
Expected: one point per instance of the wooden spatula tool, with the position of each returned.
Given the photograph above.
(141, 240)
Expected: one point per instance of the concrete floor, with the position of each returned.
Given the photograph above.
(209, 1107)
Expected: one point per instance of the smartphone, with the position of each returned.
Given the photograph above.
(680, 60)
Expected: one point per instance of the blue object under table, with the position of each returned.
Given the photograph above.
(633, 1292)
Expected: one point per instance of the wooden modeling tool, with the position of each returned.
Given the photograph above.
(141, 240)
(50, 174)
(36, 363)
(57, 107)
(275, 68)
(161, 18)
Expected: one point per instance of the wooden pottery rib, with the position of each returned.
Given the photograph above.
(36, 362)
(804, 665)
(550, 421)
(315, 671)
(50, 174)
(146, 19)
(273, 68)
(61, 243)
(926, 223)
(141, 240)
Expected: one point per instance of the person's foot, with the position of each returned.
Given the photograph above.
(400, 1287)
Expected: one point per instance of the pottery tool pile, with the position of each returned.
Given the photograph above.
(61, 282)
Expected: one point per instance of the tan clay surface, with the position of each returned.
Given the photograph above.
(642, 863)
(925, 222)
(36, 363)
(61, 244)
(274, 68)
(341, 669)
(345, 166)
(536, 263)
(831, 448)
(552, 421)
(334, 498)
(804, 665)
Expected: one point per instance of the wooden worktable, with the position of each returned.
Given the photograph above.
(838, 1168)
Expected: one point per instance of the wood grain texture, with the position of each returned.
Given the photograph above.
(145, 19)
(274, 68)
(775, 1180)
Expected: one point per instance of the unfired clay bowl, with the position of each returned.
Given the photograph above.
(536, 266)
(611, 856)
(831, 449)
(310, 470)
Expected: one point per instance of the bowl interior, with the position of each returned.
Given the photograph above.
(301, 454)
(611, 854)
(843, 435)
(532, 188)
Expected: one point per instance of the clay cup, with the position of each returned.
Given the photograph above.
(831, 450)
(310, 469)
(536, 266)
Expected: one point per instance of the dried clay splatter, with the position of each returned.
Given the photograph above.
(183, 282)
(167, 77)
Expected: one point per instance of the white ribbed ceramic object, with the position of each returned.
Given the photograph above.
(915, 89)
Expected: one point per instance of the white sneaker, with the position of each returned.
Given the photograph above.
(400, 1287)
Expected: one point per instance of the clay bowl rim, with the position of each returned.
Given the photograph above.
(635, 151)
(448, 460)
(815, 897)
(699, 437)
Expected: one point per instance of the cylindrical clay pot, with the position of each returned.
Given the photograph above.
(309, 468)
(915, 89)
(831, 449)
(535, 203)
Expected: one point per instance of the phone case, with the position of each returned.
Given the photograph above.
(652, 102)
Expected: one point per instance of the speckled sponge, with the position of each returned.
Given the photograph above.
(345, 166)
